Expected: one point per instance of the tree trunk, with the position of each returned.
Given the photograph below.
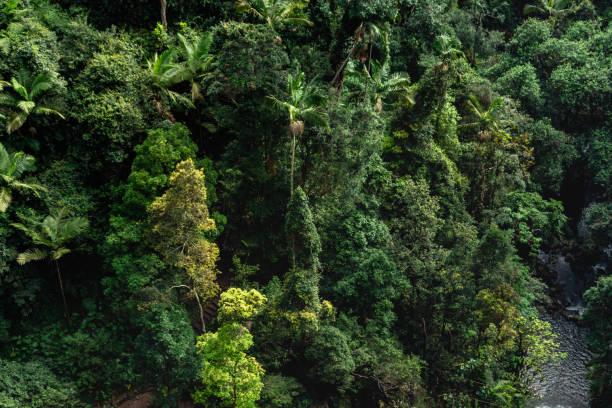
(61, 284)
(292, 160)
(163, 4)
(201, 311)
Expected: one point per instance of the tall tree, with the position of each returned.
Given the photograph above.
(51, 237)
(179, 218)
(303, 103)
(26, 98)
(230, 377)
(12, 167)
(164, 6)
(301, 283)
(196, 65)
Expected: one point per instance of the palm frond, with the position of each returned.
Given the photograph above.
(531, 8)
(28, 231)
(316, 116)
(180, 99)
(30, 255)
(42, 83)
(202, 45)
(397, 82)
(561, 4)
(7, 99)
(179, 74)
(19, 162)
(496, 104)
(58, 253)
(475, 105)
(5, 199)
(47, 111)
(5, 160)
(26, 106)
(298, 20)
(19, 89)
(186, 47)
(72, 227)
(161, 69)
(36, 188)
(15, 121)
(246, 6)
(277, 103)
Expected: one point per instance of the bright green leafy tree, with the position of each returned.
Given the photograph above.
(230, 377)
(179, 218)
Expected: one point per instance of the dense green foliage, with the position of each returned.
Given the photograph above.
(288, 203)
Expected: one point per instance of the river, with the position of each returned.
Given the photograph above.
(564, 384)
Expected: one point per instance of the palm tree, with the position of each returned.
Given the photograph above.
(196, 65)
(161, 69)
(555, 9)
(162, 75)
(487, 119)
(449, 50)
(365, 34)
(25, 99)
(50, 237)
(12, 167)
(303, 103)
(384, 84)
(275, 12)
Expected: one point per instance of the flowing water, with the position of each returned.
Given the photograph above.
(564, 384)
